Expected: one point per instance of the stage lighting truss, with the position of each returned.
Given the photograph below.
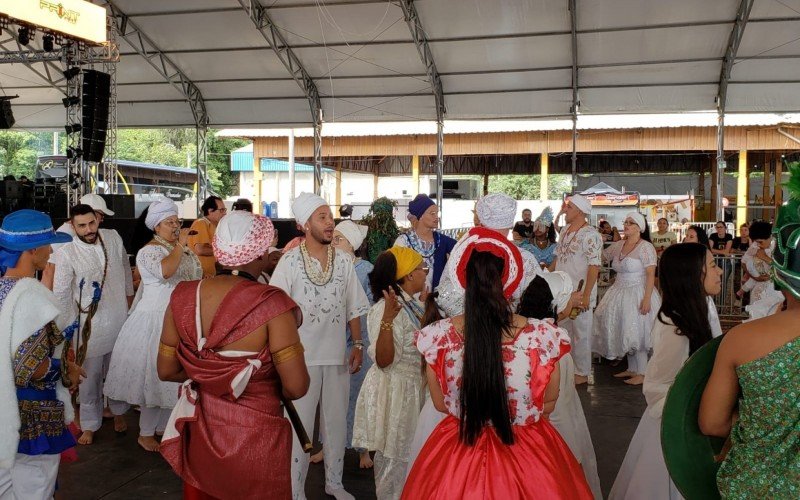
(74, 128)
(54, 46)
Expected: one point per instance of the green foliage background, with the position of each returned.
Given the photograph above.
(176, 147)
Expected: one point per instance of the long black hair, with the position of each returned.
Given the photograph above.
(681, 273)
(383, 274)
(537, 301)
(487, 315)
(645, 235)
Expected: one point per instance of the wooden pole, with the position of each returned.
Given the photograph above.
(544, 181)
(414, 175)
(778, 181)
(714, 187)
(742, 185)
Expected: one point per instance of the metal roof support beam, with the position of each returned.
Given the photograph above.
(52, 74)
(276, 41)
(573, 21)
(421, 41)
(742, 15)
(164, 66)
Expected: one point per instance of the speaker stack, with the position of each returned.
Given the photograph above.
(123, 205)
(6, 116)
(50, 197)
(95, 101)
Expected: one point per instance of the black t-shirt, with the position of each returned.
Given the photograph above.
(739, 246)
(523, 230)
(718, 243)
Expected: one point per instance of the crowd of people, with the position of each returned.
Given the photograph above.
(450, 366)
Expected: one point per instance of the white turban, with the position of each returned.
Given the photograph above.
(354, 233)
(560, 285)
(581, 203)
(158, 211)
(242, 237)
(638, 219)
(304, 205)
(497, 211)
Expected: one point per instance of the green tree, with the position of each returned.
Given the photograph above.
(526, 187)
(17, 153)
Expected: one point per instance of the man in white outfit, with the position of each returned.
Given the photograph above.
(92, 273)
(579, 254)
(323, 282)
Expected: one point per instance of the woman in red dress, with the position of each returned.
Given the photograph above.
(496, 376)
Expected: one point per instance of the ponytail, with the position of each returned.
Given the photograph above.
(487, 315)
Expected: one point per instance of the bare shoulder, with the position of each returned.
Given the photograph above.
(755, 339)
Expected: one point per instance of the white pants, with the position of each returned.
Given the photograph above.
(390, 477)
(580, 335)
(31, 478)
(332, 384)
(637, 362)
(91, 394)
(153, 421)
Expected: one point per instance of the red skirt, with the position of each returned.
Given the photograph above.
(538, 465)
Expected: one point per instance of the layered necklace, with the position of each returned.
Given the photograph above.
(319, 278)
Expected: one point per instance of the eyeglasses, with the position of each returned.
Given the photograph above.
(424, 269)
(223, 210)
(629, 223)
(173, 222)
(720, 227)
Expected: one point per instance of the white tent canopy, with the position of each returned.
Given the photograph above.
(509, 59)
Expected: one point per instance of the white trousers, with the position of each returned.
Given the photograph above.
(637, 362)
(390, 477)
(330, 386)
(33, 477)
(153, 421)
(580, 335)
(90, 395)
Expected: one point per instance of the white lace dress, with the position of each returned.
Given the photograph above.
(619, 328)
(132, 375)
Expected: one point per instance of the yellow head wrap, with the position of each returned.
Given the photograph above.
(407, 260)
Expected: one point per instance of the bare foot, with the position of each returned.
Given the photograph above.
(364, 460)
(120, 426)
(86, 437)
(624, 374)
(149, 443)
(107, 413)
(316, 457)
(635, 380)
(581, 379)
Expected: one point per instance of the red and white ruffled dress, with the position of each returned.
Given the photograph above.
(538, 465)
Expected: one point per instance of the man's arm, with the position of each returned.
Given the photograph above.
(200, 243)
(63, 278)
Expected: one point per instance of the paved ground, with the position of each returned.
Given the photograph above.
(117, 468)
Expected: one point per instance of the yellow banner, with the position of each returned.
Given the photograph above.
(74, 18)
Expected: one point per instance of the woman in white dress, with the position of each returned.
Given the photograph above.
(391, 395)
(550, 296)
(625, 316)
(163, 263)
(688, 276)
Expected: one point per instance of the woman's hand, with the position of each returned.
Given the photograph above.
(644, 306)
(391, 305)
(183, 236)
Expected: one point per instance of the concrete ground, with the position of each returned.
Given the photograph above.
(117, 468)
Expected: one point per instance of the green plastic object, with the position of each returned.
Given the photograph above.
(688, 453)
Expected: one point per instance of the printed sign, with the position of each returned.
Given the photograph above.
(74, 18)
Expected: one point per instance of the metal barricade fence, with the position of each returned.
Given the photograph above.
(729, 305)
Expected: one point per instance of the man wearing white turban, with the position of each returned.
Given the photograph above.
(578, 254)
(322, 281)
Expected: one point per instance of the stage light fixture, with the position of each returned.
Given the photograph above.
(72, 73)
(47, 43)
(71, 101)
(24, 35)
(74, 153)
(72, 129)
(74, 181)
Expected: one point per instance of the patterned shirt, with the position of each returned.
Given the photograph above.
(42, 429)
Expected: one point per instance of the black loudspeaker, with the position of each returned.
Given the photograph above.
(123, 205)
(55, 206)
(95, 102)
(6, 116)
(9, 190)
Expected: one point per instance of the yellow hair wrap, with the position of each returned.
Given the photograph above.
(407, 260)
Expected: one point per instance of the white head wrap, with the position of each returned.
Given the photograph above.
(638, 219)
(158, 211)
(304, 205)
(354, 233)
(242, 237)
(560, 285)
(497, 211)
(581, 203)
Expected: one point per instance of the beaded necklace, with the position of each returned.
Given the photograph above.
(316, 277)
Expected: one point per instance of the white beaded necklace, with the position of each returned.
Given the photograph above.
(316, 277)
